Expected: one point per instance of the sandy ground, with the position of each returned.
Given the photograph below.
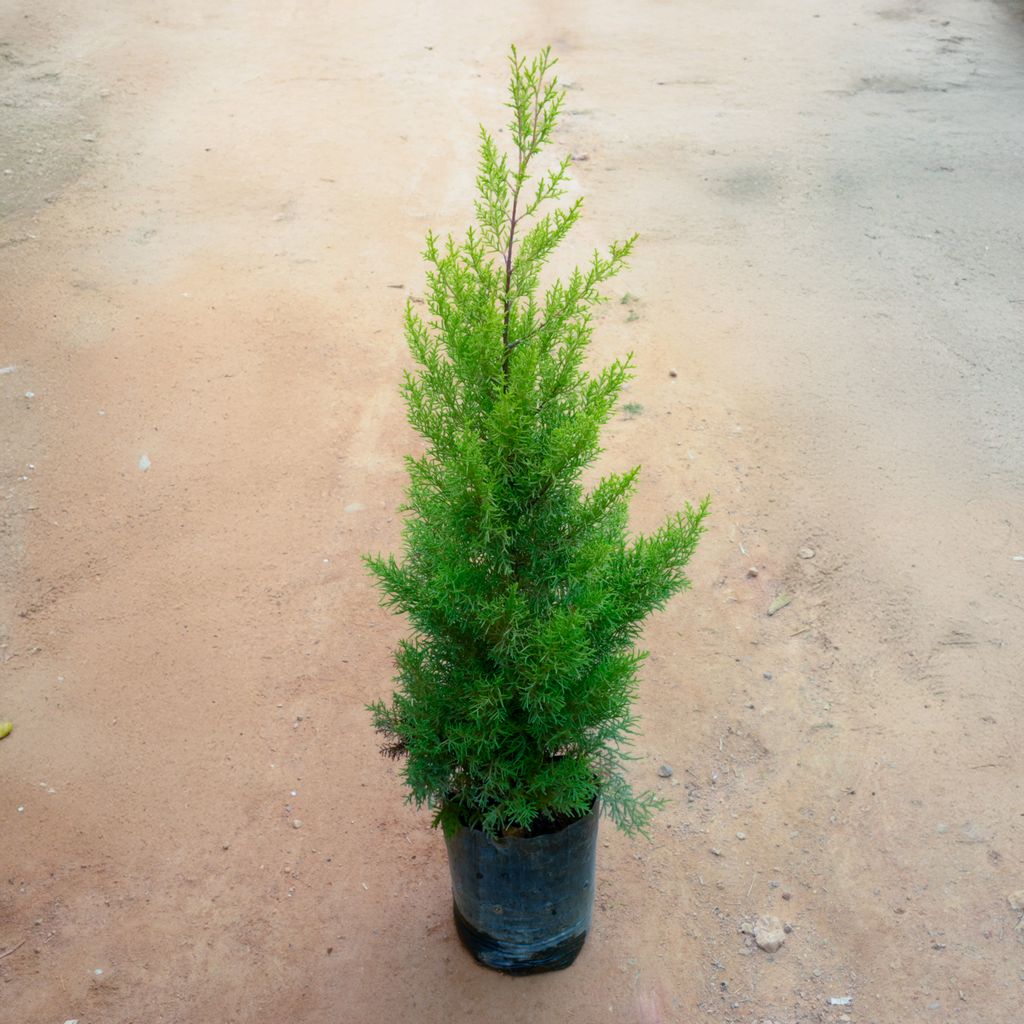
(212, 214)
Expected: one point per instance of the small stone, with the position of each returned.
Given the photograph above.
(787, 896)
(715, 851)
(741, 835)
(225, 846)
(768, 676)
(753, 571)
(88, 137)
(769, 933)
(746, 928)
(806, 552)
(296, 823)
(673, 373)
(788, 929)
(665, 771)
(1016, 900)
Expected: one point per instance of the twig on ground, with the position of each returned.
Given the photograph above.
(14, 949)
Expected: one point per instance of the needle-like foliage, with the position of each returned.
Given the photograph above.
(525, 595)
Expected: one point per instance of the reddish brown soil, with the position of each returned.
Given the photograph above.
(211, 222)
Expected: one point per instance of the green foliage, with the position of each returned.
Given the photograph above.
(524, 593)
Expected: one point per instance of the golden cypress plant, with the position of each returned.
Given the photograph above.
(525, 594)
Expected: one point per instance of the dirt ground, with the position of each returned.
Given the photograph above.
(212, 215)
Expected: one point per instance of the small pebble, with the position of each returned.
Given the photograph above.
(806, 552)
(741, 835)
(767, 676)
(716, 851)
(753, 571)
(296, 823)
(787, 895)
(788, 929)
(769, 934)
(665, 771)
(674, 373)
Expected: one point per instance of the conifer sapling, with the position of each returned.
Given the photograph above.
(525, 594)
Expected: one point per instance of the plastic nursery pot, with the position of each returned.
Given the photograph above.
(524, 905)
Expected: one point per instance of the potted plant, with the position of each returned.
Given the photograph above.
(525, 594)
